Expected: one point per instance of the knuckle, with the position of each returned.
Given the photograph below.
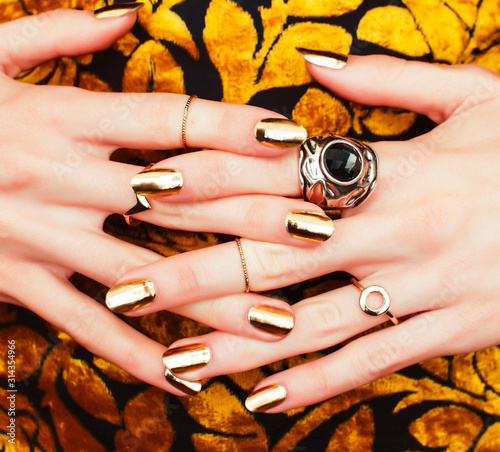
(322, 321)
(272, 266)
(322, 383)
(185, 282)
(153, 116)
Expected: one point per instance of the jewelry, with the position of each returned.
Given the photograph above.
(243, 264)
(336, 172)
(384, 309)
(141, 206)
(184, 119)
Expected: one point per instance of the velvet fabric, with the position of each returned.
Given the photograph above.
(243, 51)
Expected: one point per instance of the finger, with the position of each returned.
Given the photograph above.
(371, 357)
(433, 90)
(94, 327)
(247, 315)
(154, 121)
(320, 322)
(30, 41)
(217, 271)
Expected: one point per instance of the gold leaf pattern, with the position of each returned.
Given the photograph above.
(165, 24)
(356, 434)
(321, 8)
(385, 121)
(285, 67)
(490, 440)
(152, 68)
(488, 366)
(235, 63)
(147, 426)
(452, 427)
(394, 28)
(464, 375)
(89, 391)
(444, 31)
(328, 115)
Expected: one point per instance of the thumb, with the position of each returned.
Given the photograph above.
(30, 41)
(434, 90)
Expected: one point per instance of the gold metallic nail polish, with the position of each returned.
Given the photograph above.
(323, 58)
(131, 295)
(157, 182)
(309, 226)
(186, 357)
(117, 10)
(265, 398)
(271, 319)
(280, 133)
(188, 387)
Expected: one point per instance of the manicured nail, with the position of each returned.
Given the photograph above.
(323, 58)
(265, 398)
(188, 387)
(131, 295)
(309, 226)
(271, 319)
(157, 182)
(280, 133)
(186, 357)
(117, 10)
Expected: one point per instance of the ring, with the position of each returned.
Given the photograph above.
(141, 206)
(336, 172)
(384, 309)
(184, 120)
(243, 264)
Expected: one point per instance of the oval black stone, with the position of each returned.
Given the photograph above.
(342, 162)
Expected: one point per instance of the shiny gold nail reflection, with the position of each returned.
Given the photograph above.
(271, 319)
(280, 133)
(157, 182)
(131, 295)
(186, 357)
(117, 10)
(309, 226)
(264, 398)
(188, 387)
(323, 58)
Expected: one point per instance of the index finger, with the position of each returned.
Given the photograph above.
(155, 121)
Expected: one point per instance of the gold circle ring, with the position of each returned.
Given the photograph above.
(363, 301)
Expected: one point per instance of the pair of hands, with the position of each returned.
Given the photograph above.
(428, 233)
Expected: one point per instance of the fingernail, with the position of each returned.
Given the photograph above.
(157, 182)
(186, 357)
(131, 295)
(323, 58)
(280, 133)
(271, 319)
(309, 226)
(117, 10)
(265, 398)
(188, 387)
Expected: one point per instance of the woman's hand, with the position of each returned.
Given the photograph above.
(57, 184)
(429, 234)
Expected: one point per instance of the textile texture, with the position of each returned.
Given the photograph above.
(243, 51)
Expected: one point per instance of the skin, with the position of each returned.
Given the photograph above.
(53, 209)
(428, 234)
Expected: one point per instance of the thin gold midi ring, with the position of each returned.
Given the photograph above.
(184, 120)
(384, 309)
(243, 264)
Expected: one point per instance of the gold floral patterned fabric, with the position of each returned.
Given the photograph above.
(243, 51)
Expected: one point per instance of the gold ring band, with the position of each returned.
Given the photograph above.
(384, 309)
(141, 206)
(184, 120)
(243, 264)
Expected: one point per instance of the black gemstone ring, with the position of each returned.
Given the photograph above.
(336, 172)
